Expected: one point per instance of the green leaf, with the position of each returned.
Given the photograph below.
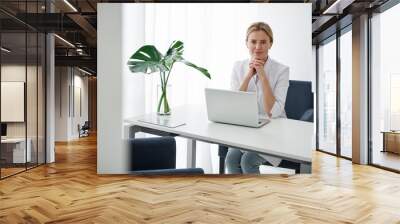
(149, 60)
(175, 48)
(174, 52)
(202, 70)
(146, 60)
(144, 67)
(147, 53)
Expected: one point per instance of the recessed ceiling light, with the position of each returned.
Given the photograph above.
(84, 71)
(337, 7)
(5, 50)
(64, 40)
(70, 5)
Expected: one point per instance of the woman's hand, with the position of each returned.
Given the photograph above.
(252, 71)
(258, 67)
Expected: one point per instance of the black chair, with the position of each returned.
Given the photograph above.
(300, 101)
(84, 130)
(156, 156)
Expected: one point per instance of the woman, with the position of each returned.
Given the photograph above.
(270, 79)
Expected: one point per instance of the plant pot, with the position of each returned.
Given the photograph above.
(163, 107)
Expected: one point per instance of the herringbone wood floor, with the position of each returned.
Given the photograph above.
(70, 191)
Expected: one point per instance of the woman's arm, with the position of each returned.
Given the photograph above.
(236, 83)
(280, 93)
(274, 100)
(268, 96)
(245, 84)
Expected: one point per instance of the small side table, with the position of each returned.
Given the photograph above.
(391, 141)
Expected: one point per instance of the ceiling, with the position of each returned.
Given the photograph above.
(76, 22)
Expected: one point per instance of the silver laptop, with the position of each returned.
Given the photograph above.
(233, 107)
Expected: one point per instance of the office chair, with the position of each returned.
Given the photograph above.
(299, 103)
(156, 156)
(84, 130)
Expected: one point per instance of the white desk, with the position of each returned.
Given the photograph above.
(285, 138)
(18, 150)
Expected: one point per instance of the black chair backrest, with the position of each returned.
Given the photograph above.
(299, 99)
(152, 153)
(86, 125)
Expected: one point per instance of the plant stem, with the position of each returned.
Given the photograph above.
(159, 103)
(166, 106)
(163, 97)
(169, 72)
(162, 78)
(162, 92)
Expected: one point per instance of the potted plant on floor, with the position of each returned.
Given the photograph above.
(148, 59)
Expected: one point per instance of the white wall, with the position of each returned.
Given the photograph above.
(119, 94)
(61, 104)
(14, 73)
(34, 125)
(81, 114)
(17, 73)
(67, 116)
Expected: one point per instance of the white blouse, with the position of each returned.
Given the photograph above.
(278, 77)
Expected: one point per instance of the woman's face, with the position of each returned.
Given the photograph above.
(258, 44)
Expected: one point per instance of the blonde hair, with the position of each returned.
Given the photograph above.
(260, 26)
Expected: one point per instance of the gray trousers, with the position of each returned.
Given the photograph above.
(237, 162)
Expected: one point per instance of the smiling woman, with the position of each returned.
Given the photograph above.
(270, 80)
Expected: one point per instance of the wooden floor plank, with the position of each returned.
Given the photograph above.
(70, 191)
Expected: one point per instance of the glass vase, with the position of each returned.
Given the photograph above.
(163, 107)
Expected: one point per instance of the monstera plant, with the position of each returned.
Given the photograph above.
(149, 60)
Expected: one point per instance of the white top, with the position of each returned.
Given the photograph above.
(278, 77)
(281, 137)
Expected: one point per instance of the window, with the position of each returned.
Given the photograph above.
(327, 96)
(385, 84)
(346, 94)
(395, 101)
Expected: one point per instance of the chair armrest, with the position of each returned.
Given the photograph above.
(152, 153)
(188, 171)
(308, 115)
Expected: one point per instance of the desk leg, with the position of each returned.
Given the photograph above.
(305, 168)
(130, 131)
(384, 143)
(222, 151)
(191, 153)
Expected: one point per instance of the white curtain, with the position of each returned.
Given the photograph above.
(214, 38)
